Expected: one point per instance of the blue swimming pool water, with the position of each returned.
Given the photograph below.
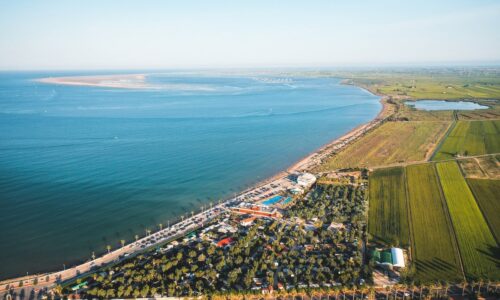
(287, 200)
(272, 200)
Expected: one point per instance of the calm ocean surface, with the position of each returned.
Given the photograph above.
(83, 167)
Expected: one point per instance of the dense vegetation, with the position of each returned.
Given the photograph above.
(270, 253)
(393, 142)
(487, 194)
(435, 253)
(478, 247)
(388, 213)
(471, 138)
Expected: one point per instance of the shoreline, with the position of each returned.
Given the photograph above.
(305, 164)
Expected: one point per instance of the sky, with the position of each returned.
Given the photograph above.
(149, 34)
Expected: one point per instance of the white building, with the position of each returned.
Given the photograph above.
(398, 259)
(306, 179)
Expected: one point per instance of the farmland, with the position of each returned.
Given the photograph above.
(430, 84)
(490, 165)
(471, 138)
(475, 240)
(486, 192)
(388, 219)
(435, 253)
(393, 142)
(470, 167)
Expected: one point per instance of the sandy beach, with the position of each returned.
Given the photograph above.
(126, 81)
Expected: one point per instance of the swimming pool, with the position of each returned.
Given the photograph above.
(272, 200)
(287, 200)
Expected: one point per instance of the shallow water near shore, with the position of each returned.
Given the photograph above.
(84, 167)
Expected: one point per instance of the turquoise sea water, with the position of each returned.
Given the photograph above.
(83, 167)
(445, 105)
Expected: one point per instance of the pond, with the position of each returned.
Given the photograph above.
(445, 105)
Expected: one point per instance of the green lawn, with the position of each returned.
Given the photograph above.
(475, 240)
(487, 194)
(471, 138)
(435, 254)
(388, 213)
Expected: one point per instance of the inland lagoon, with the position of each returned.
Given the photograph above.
(83, 167)
(445, 105)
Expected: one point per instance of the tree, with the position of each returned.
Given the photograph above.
(108, 247)
(122, 242)
(447, 286)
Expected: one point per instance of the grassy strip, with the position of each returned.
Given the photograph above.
(388, 216)
(487, 195)
(435, 254)
(393, 142)
(475, 240)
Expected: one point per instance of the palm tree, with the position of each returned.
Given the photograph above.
(479, 290)
(438, 289)
(412, 286)
(362, 290)
(136, 237)
(148, 231)
(387, 292)
(93, 255)
(123, 243)
(372, 293)
(344, 289)
(161, 226)
(109, 248)
(336, 293)
(446, 287)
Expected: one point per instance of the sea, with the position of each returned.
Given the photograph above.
(84, 167)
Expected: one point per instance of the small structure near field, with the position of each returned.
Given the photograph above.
(393, 258)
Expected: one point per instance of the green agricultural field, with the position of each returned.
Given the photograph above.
(471, 138)
(487, 194)
(435, 252)
(477, 245)
(388, 213)
(393, 142)
(429, 84)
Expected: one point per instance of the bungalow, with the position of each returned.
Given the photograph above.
(225, 242)
(248, 221)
